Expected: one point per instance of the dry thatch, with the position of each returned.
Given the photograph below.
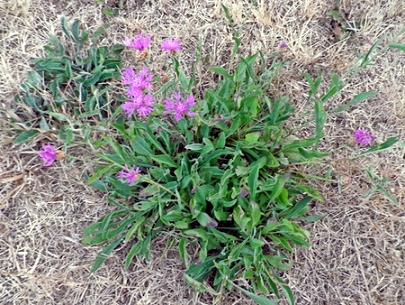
(358, 248)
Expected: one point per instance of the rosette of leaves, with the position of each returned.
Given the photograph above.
(72, 81)
(226, 181)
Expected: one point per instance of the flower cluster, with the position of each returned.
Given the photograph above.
(171, 45)
(129, 175)
(139, 101)
(142, 42)
(180, 107)
(48, 154)
(364, 137)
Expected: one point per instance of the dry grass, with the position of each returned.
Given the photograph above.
(358, 249)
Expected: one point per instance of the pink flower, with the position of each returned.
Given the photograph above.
(141, 42)
(137, 81)
(179, 107)
(364, 137)
(129, 108)
(128, 76)
(48, 154)
(283, 45)
(141, 105)
(171, 45)
(145, 106)
(128, 175)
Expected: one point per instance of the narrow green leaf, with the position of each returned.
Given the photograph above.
(134, 251)
(359, 98)
(59, 116)
(320, 120)
(104, 254)
(183, 252)
(398, 46)
(335, 86)
(382, 147)
(221, 71)
(26, 136)
(164, 159)
(278, 187)
(298, 210)
(314, 84)
(195, 147)
(253, 179)
(258, 299)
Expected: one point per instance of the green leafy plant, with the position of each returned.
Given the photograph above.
(72, 81)
(226, 181)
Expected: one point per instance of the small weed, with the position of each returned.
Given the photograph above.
(72, 82)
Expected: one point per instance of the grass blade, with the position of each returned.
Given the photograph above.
(359, 98)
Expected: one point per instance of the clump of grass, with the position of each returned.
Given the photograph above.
(221, 175)
(72, 82)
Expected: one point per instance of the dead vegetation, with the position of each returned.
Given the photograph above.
(358, 248)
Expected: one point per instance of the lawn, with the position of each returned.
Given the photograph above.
(357, 247)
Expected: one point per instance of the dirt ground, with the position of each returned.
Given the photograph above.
(358, 248)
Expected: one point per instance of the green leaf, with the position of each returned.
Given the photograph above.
(76, 31)
(258, 299)
(140, 146)
(335, 86)
(59, 116)
(66, 135)
(65, 27)
(310, 154)
(221, 71)
(99, 173)
(252, 137)
(135, 228)
(200, 272)
(26, 136)
(382, 147)
(255, 213)
(298, 210)
(183, 252)
(164, 159)
(359, 98)
(104, 254)
(195, 147)
(278, 187)
(205, 220)
(320, 120)
(288, 293)
(253, 179)
(400, 47)
(313, 84)
(365, 61)
(278, 262)
(134, 251)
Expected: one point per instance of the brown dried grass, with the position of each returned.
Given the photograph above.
(358, 249)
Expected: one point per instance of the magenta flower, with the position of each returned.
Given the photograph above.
(171, 45)
(283, 45)
(145, 106)
(141, 105)
(179, 107)
(128, 76)
(129, 108)
(141, 42)
(364, 137)
(144, 79)
(48, 154)
(128, 175)
(137, 81)
(137, 84)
